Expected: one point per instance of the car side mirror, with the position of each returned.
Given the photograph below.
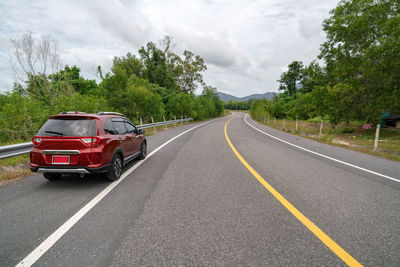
(140, 131)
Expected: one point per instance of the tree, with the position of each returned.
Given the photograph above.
(143, 103)
(190, 75)
(155, 65)
(289, 79)
(182, 105)
(130, 64)
(311, 76)
(362, 49)
(33, 60)
(167, 69)
(71, 78)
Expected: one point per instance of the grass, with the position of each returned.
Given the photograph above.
(12, 142)
(350, 136)
(13, 168)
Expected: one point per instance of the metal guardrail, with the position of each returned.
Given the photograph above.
(23, 148)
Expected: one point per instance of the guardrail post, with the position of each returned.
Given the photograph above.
(154, 128)
(175, 120)
(181, 120)
(320, 130)
(297, 124)
(141, 122)
(284, 120)
(166, 126)
(274, 121)
(378, 129)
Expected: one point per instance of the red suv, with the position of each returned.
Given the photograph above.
(75, 142)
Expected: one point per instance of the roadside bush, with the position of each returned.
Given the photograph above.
(21, 117)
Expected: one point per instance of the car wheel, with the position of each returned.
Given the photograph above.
(52, 176)
(143, 151)
(116, 169)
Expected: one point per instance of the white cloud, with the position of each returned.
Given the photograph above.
(246, 45)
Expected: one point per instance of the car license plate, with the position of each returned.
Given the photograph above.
(60, 159)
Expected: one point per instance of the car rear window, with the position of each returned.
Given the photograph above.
(68, 127)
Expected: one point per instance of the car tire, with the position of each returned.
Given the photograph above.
(52, 176)
(116, 168)
(143, 150)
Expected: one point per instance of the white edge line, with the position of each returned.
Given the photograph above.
(54, 237)
(324, 156)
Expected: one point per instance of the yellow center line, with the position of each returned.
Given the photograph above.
(341, 253)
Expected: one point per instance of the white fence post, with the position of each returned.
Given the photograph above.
(274, 121)
(268, 119)
(378, 129)
(141, 122)
(320, 130)
(284, 121)
(175, 120)
(297, 124)
(154, 129)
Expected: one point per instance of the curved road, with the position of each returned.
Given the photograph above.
(212, 198)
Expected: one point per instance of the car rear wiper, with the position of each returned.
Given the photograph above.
(54, 132)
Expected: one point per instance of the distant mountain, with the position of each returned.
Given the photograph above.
(227, 97)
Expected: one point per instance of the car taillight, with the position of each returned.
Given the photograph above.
(87, 140)
(96, 140)
(36, 140)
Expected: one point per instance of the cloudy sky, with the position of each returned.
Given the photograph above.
(246, 44)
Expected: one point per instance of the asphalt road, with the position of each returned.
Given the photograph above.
(193, 202)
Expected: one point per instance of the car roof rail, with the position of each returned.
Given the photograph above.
(71, 112)
(110, 113)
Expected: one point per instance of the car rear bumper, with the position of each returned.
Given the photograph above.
(66, 169)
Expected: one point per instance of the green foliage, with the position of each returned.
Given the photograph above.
(208, 104)
(189, 72)
(182, 105)
(316, 119)
(83, 103)
(238, 105)
(312, 76)
(70, 77)
(156, 69)
(289, 79)
(260, 108)
(21, 117)
(143, 103)
(129, 64)
(363, 49)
